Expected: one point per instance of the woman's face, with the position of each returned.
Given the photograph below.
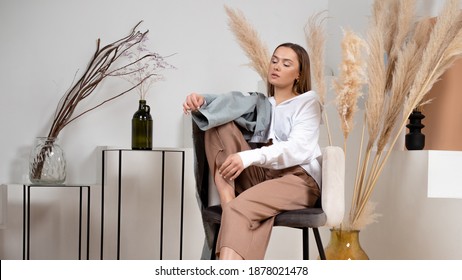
(284, 68)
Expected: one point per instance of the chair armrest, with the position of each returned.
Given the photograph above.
(333, 185)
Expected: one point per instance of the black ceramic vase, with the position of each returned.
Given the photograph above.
(415, 139)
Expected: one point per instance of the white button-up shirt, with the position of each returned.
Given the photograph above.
(294, 131)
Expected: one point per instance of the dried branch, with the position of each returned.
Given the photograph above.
(99, 68)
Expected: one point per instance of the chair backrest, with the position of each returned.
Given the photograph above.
(333, 185)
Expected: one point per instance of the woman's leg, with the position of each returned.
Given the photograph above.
(247, 220)
(227, 253)
(220, 142)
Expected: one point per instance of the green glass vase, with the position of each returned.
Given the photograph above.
(142, 127)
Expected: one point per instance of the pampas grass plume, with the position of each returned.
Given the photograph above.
(315, 41)
(249, 41)
(350, 81)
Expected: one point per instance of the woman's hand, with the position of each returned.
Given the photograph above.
(193, 102)
(232, 167)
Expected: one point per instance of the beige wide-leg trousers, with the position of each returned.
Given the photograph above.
(261, 194)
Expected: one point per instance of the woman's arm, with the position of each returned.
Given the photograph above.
(300, 145)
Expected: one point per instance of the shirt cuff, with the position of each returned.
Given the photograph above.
(250, 157)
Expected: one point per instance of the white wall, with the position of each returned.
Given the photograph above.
(413, 224)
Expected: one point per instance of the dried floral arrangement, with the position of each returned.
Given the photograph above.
(146, 67)
(399, 62)
(417, 54)
(139, 67)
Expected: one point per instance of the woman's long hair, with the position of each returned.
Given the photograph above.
(303, 83)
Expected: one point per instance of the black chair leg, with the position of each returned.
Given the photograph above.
(213, 256)
(317, 236)
(306, 245)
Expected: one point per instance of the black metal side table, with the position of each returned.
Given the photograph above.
(26, 216)
(162, 152)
